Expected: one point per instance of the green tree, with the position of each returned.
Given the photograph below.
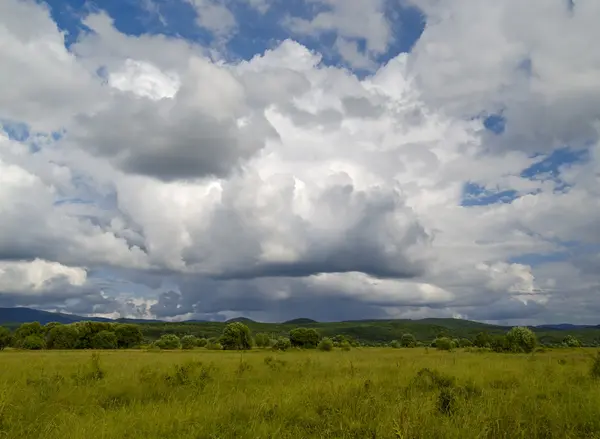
(6, 338)
(521, 339)
(201, 342)
(571, 342)
(282, 344)
(27, 329)
(482, 340)
(88, 329)
(395, 344)
(465, 343)
(104, 340)
(326, 344)
(307, 338)
(444, 343)
(62, 337)
(345, 345)
(408, 341)
(33, 342)
(500, 343)
(236, 336)
(128, 335)
(168, 342)
(189, 342)
(262, 340)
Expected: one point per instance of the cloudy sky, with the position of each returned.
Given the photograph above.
(274, 159)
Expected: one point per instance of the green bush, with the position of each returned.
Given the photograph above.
(262, 340)
(345, 346)
(444, 344)
(62, 337)
(33, 342)
(6, 337)
(408, 341)
(521, 339)
(168, 342)
(395, 344)
(571, 342)
(326, 345)
(282, 344)
(306, 338)
(128, 335)
(189, 342)
(465, 343)
(104, 340)
(201, 342)
(236, 336)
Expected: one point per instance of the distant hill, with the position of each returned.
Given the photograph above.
(23, 315)
(565, 326)
(241, 320)
(300, 321)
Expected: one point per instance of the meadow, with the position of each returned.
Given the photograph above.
(361, 393)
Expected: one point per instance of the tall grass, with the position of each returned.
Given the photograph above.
(363, 393)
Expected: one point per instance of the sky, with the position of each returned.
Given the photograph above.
(277, 159)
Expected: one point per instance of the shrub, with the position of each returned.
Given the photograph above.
(521, 339)
(282, 344)
(306, 338)
(499, 343)
(33, 342)
(326, 345)
(189, 342)
(465, 343)
(104, 340)
(128, 335)
(395, 344)
(483, 340)
(444, 344)
(26, 330)
(595, 370)
(236, 336)
(201, 342)
(214, 346)
(408, 341)
(571, 342)
(345, 346)
(168, 342)
(6, 337)
(62, 337)
(262, 340)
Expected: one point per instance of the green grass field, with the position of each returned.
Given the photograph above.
(363, 393)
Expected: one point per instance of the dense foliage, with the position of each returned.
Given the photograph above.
(243, 335)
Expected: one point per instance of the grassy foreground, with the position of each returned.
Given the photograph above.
(363, 393)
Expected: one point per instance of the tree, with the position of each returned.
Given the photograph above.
(201, 342)
(307, 338)
(482, 340)
(236, 336)
(62, 337)
(444, 344)
(499, 343)
(408, 341)
(88, 329)
(168, 342)
(262, 340)
(326, 344)
(395, 344)
(27, 329)
(189, 342)
(571, 342)
(521, 339)
(465, 343)
(128, 335)
(33, 342)
(282, 344)
(345, 345)
(104, 340)
(6, 338)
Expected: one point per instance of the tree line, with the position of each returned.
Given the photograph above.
(237, 336)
